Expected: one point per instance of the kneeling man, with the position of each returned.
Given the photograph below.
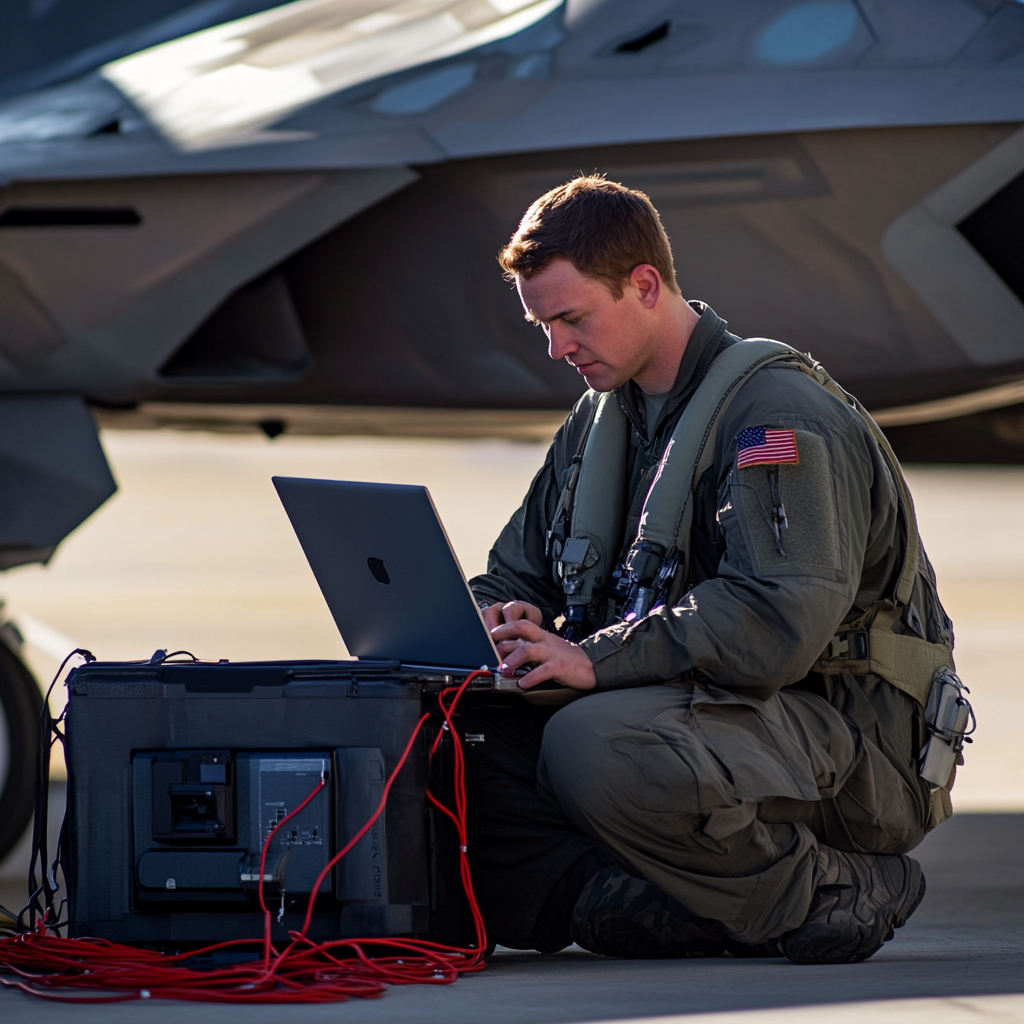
(719, 556)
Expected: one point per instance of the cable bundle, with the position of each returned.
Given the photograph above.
(56, 968)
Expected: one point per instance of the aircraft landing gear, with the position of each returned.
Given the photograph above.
(20, 705)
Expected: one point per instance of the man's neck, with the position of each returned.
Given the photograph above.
(659, 375)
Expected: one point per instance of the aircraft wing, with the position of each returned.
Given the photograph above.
(288, 215)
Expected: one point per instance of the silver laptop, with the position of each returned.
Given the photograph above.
(388, 573)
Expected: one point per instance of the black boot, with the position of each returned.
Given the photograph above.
(859, 899)
(617, 915)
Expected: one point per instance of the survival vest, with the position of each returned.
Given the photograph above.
(589, 520)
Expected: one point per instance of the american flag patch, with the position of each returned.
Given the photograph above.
(762, 446)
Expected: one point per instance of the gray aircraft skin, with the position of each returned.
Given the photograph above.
(231, 213)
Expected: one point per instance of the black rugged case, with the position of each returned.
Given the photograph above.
(120, 713)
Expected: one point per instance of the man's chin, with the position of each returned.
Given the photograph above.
(598, 377)
(598, 381)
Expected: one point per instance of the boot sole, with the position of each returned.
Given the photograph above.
(825, 944)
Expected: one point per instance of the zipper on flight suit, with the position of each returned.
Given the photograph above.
(779, 521)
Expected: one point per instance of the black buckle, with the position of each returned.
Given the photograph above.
(849, 646)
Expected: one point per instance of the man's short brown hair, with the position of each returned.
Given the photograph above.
(603, 228)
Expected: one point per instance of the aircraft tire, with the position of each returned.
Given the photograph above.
(20, 705)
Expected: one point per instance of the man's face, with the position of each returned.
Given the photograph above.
(608, 340)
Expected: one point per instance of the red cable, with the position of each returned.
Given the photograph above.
(47, 965)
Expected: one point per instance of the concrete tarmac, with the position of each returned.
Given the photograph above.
(195, 552)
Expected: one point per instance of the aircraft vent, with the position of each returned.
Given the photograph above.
(69, 217)
(640, 43)
(996, 230)
(255, 335)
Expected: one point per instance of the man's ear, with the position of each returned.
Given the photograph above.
(647, 281)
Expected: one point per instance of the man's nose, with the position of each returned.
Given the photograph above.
(560, 342)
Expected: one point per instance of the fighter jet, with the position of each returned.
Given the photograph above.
(233, 214)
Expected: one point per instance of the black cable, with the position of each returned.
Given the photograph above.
(44, 744)
(39, 823)
(47, 886)
(62, 844)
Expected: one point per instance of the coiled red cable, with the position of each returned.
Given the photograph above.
(51, 967)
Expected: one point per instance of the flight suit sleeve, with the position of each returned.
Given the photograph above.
(776, 600)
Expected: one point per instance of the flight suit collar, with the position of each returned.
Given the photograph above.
(705, 343)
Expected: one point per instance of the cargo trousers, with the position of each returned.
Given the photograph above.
(716, 799)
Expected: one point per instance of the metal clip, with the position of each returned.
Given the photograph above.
(572, 562)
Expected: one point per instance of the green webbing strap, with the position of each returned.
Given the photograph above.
(598, 513)
(591, 398)
(907, 662)
(668, 511)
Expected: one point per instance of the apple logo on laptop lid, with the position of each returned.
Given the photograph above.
(380, 572)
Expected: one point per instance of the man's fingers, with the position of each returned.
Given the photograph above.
(521, 629)
(511, 611)
(519, 656)
(549, 657)
(531, 654)
(516, 610)
(540, 674)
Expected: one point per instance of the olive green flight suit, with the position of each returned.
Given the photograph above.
(711, 760)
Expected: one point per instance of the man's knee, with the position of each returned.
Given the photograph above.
(579, 766)
(608, 767)
(569, 751)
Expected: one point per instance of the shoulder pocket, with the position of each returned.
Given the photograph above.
(804, 535)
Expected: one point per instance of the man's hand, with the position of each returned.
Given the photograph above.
(523, 642)
(511, 611)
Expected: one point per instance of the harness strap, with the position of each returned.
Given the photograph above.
(907, 662)
(668, 512)
(584, 553)
(598, 511)
(585, 558)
